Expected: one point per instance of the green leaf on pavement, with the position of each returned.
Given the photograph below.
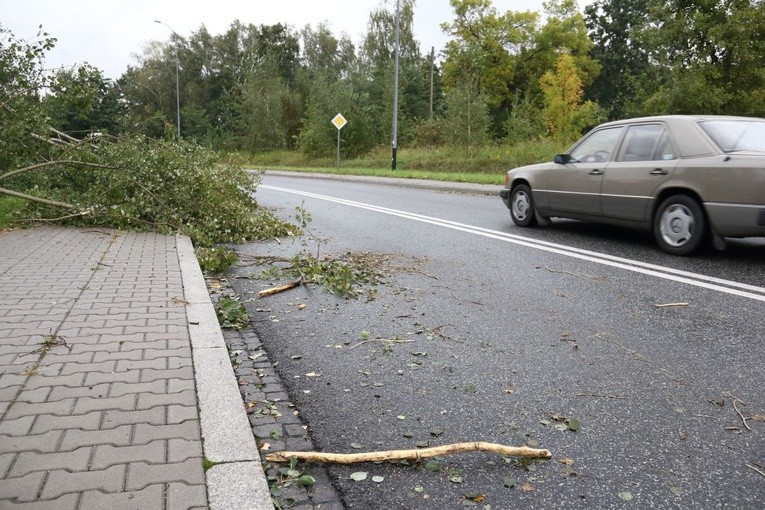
(433, 466)
(358, 476)
(306, 480)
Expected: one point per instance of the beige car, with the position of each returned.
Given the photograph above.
(686, 178)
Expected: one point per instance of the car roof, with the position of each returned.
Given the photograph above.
(680, 118)
(687, 137)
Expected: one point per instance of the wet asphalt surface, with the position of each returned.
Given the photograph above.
(510, 344)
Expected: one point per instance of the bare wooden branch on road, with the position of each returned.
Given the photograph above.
(281, 288)
(416, 454)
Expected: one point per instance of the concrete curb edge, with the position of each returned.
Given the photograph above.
(237, 480)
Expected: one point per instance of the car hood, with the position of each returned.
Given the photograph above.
(531, 168)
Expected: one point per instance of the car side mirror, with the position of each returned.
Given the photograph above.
(562, 159)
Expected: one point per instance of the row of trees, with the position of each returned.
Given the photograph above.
(502, 76)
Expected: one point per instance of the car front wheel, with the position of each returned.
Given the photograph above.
(679, 225)
(522, 206)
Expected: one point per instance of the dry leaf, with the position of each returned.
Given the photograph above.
(527, 487)
(313, 374)
(566, 461)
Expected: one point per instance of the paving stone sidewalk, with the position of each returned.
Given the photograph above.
(98, 396)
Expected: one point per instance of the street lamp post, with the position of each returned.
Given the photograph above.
(395, 93)
(177, 84)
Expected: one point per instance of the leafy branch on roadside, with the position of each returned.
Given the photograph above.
(231, 313)
(284, 478)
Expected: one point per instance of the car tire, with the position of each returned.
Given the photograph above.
(679, 225)
(522, 208)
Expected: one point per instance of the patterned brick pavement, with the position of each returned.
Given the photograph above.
(97, 394)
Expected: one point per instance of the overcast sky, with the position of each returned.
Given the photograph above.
(107, 33)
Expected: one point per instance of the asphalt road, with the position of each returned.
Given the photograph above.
(516, 336)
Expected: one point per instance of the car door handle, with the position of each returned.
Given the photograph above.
(659, 171)
(597, 171)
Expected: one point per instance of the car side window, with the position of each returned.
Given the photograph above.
(597, 146)
(646, 142)
(666, 150)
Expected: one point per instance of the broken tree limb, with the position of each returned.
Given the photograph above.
(281, 288)
(419, 453)
(61, 162)
(31, 198)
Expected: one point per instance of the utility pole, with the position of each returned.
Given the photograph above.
(395, 92)
(177, 83)
(432, 65)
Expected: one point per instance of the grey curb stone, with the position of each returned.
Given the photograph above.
(238, 486)
(225, 427)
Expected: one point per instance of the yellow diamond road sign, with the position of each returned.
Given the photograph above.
(339, 121)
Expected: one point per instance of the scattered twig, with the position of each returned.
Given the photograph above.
(750, 466)
(743, 418)
(249, 260)
(566, 337)
(617, 397)
(578, 275)
(424, 273)
(636, 355)
(437, 332)
(390, 455)
(454, 295)
(281, 288)
(383, 340)
(667, 305)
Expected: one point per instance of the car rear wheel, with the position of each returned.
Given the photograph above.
(679, 226)
(522, 206)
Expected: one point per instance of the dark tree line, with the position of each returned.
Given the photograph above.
(502, 76)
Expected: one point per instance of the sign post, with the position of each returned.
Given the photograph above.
(339, 121)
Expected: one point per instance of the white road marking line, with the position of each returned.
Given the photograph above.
(677, 275)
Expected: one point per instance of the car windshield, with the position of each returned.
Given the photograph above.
(737, 135)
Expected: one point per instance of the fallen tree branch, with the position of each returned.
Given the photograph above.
(60, 218)
(281, 288)
(62, 162)
(417, 454)
(31, 198)
(63, 135)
